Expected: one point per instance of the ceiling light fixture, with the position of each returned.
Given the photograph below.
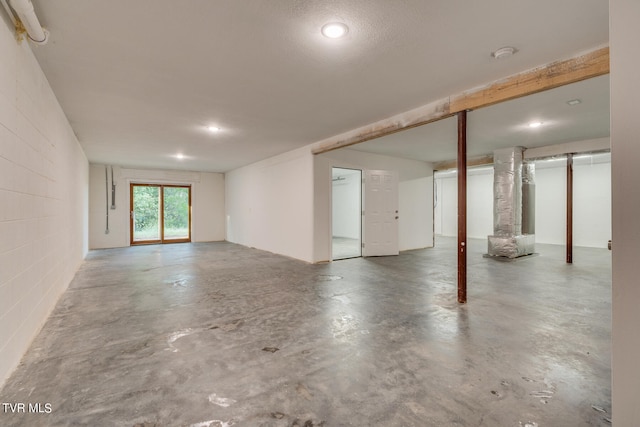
(334, 30)
(213, 129)
(573, 102)
(504, 52)
(179, 156)
(534, 125)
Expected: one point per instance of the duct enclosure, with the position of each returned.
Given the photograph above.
(513, 205)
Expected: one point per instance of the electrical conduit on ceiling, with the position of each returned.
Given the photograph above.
(27, 15)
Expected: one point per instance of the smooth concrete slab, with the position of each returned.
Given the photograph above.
(216, 334)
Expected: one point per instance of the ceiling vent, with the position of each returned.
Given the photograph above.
(504, 52)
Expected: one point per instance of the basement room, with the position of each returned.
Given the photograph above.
(341, 213)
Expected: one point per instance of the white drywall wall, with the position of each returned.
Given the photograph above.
(415, 225)
(479, 203)
(207, 199)
(208, 208)
(551, 201)
(591, 203)
(415, 194)
(43, 200)
(591, 195)
(625, 174)
(446, 212)
(269, 204)
(479, 213)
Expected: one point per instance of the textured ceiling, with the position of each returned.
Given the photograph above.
(140, 80)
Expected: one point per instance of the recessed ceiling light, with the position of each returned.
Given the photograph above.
(179, 156)
(334, 30)
(213, 129)
(504, 52)
(573, 102)
(534, 125)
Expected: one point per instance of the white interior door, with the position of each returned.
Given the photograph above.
(380, 201)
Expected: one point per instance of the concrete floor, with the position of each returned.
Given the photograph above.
(217, 335)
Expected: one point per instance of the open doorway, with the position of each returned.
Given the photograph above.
(346, 213)
(160, 214)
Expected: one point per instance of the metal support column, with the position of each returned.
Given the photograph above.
(569, 208)
(462, 207)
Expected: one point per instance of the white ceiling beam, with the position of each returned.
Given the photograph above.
(471, 162)
(599, 145)
(575, 147)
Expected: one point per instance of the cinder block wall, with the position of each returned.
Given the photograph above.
(43, 199)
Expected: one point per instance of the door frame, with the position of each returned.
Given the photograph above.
(162, 239)
(361, 218)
